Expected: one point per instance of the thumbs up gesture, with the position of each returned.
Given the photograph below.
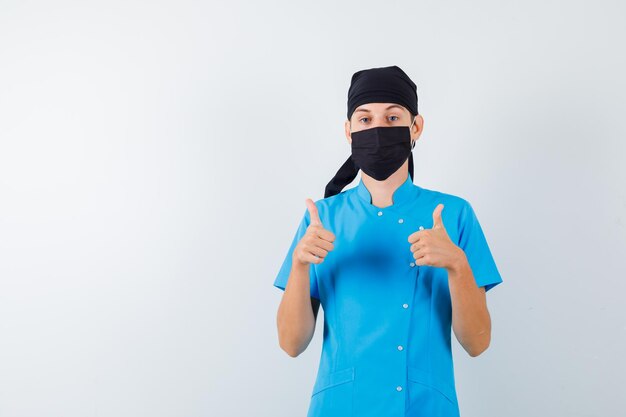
(316, 242)
(433, 247)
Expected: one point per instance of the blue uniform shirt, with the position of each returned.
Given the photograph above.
(387, 321)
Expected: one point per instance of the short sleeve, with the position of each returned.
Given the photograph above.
(473, 242)
(285, 269)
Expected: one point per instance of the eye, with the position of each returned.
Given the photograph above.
(395, 117)
(361, 119)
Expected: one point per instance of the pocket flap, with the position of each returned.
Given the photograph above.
(426, 378)
(328, 380)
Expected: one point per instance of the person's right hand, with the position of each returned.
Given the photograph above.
(316, 242)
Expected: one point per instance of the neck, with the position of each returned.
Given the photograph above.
(382, 191)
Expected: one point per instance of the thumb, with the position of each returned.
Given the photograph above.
(437, 220)
(315, 217)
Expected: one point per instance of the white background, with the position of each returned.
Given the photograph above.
(155, 158)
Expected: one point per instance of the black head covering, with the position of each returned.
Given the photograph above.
(374, 85)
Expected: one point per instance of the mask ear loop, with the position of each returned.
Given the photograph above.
(412, 141)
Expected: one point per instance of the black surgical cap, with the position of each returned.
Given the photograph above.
(382, 85)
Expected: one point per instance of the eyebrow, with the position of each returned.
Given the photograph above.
(393, 105)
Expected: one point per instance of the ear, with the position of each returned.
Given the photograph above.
(417, 128)
(347, 129)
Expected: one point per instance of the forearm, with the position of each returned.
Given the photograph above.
(295, 318)
(470, 317)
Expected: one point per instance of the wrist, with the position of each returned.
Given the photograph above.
(297, 264)
(459, 262)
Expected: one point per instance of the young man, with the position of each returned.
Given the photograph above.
(394, 265)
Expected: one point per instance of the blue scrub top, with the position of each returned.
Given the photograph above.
(387, 321)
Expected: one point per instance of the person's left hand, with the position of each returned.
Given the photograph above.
(433, 247)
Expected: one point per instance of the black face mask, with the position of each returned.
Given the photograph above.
(381, 151)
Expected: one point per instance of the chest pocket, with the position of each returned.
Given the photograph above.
(333, 394)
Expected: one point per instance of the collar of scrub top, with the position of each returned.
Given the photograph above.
(405, 193)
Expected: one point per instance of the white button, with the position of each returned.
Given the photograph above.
(400, 220)
(398, 388)
(412, 264)
(380, 213)
(405, 305)
(421, 227)
(400, 347)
